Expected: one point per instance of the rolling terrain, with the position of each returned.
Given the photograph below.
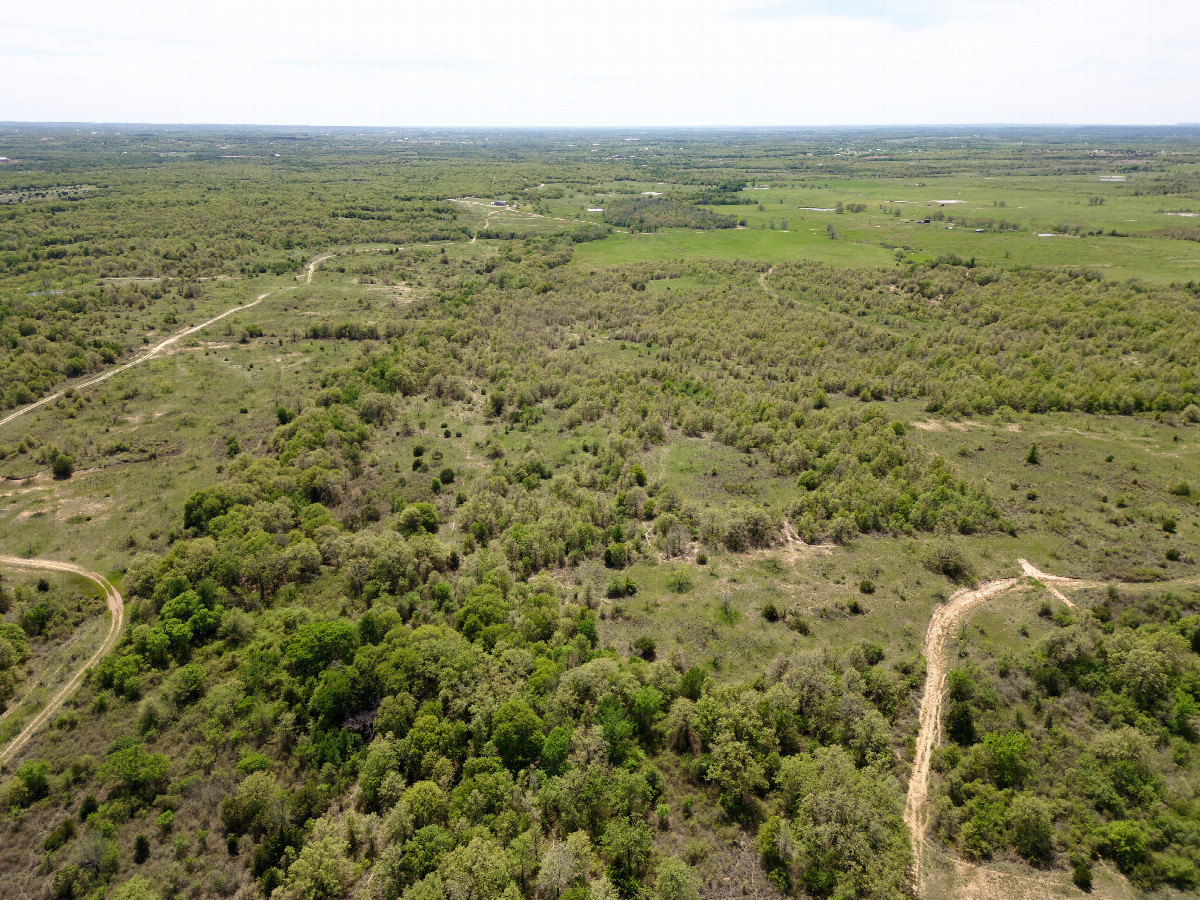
(697, 524)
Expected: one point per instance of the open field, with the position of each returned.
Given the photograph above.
(1066, 221)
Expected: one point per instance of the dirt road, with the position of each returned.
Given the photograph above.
(116, 609)
(1048, 581)
(311, 267)
(148, 355)
(945, 618)
(762, 283)
(155, 350)
(116, 605)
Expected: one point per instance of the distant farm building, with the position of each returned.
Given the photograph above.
(499, 203)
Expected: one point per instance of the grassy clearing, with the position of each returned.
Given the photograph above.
(1098, 504)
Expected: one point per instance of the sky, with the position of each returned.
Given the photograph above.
(567, 63)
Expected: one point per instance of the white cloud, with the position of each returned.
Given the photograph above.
(735, 62)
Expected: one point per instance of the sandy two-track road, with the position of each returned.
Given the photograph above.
(116, 604)
(156, 349)
(116, 610)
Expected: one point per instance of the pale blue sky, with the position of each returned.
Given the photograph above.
(601, 62)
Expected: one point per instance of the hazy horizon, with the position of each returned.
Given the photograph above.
(537, 64)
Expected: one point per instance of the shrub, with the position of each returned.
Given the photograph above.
(960, 723)
(621, 587)
(186, 684)
(32, 775)
(1082, 876)
(586, 626)
(872, 652)
(663, 811)
(948, 560)
(1125, 844)
(60, 835)
(63, 467)
(679, 580)
(692, 683)
(418, 518)
(616, 555)
(645, 647)
(1006, 757)
(165, 821)
(866, 586)
(798, 624)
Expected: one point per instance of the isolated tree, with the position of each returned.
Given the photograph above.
(63, 467)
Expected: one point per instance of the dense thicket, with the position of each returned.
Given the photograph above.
(653, 213)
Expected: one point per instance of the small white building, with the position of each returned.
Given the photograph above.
(499, 203)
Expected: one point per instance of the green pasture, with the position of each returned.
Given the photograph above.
(1068, 207)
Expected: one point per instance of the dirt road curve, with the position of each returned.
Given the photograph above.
(156, 349)
(311, 266)
(116, 609)
(945, 618)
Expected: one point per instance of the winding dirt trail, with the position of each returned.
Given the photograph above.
(116, 604)
(155, 350)
(311, 268)
(762, 283)
(116, 609)
(945, 618)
